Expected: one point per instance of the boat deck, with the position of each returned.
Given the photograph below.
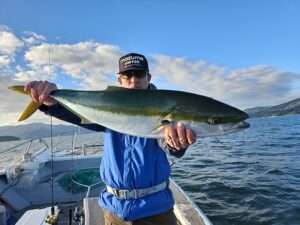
(185, 210)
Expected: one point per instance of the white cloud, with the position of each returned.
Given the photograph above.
(246, 87)
(13, 104)
(86, 61)
(29, 75)
(32, 38)
(92, 65)
(4, 60)
(9, 42)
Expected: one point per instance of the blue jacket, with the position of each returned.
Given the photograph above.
(129, 162)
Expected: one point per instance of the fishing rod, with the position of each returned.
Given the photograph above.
(51, 219)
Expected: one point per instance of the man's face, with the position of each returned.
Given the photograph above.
(135, 79)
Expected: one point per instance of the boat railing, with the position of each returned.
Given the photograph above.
(59, 142)
(31, 153)
(21, 156)
(19, 145)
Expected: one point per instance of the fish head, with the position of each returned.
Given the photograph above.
(233, 127)
(208, 130)
(214, 112)
(217, 118)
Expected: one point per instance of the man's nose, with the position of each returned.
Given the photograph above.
(133, 79)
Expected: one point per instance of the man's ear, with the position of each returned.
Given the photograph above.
(149, 77)
(120, 80)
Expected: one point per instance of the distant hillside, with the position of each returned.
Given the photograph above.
(38, 130)
(289, 108)
(8, 138)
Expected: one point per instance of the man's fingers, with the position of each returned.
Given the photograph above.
(29, 86)
(179, 137)
(171, 142)
(172, 137)
(49, 87)
(34, 91)
(191, 136)
(182, 135)
(40, 89)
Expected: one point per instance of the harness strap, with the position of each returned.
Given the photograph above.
(137, 193)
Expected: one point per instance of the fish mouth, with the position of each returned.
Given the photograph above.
(242, 125)
(228, 128)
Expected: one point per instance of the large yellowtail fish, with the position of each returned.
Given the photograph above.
(145, 113)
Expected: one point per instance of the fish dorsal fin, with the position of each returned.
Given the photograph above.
(84, 120)
(114, 88)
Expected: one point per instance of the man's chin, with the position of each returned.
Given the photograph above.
(136, 87)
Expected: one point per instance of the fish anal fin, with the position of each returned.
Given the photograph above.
(30, 109)
(84, 120)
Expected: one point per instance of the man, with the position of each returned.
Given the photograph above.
(135, 170)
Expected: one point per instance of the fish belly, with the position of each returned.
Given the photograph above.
(135, 125)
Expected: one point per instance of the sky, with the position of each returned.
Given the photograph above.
(245, 53)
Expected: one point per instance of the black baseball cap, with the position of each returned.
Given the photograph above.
(133, 61)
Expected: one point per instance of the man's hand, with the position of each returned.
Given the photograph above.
(40, 91)
(179, 137)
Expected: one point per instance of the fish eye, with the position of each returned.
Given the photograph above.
(214, 121)
(165, 122)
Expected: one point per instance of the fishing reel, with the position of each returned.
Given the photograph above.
(78, 215)
(51, 219)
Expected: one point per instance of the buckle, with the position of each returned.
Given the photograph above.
(135, 194)
(131, 194)
(138, 193)
(116, 192)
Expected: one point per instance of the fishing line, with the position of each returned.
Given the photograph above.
(71, 183)
(72, 171)
(52, 169)
(52, 153)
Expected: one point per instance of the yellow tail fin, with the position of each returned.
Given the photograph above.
(32, 106)
(20, 89)
(30, 109)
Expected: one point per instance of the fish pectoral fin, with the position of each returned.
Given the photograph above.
(30, 109)
(163, 123)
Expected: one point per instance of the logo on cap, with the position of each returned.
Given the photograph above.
(133, 61)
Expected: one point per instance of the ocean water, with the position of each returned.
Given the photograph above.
(251, 177)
